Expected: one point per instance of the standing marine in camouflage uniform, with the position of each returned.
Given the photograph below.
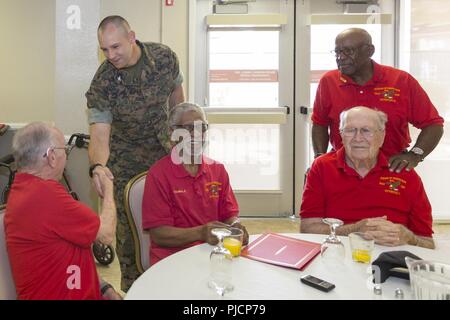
(128, 103)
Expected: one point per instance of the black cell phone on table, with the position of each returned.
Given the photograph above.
(317, 283)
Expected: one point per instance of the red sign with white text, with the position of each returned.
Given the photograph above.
(243, 76)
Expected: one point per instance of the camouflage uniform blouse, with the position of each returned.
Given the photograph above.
(134, 101)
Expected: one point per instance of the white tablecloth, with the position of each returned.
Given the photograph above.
(184, 275)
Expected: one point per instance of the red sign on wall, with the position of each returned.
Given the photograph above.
(243, 76)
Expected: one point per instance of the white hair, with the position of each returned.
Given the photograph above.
(176, 113)
(30, 144)
(380, 116)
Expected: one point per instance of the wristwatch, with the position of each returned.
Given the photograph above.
(92, 168)
(104, 287)
(418, 152)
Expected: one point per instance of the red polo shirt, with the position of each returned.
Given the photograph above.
(172, 197)
(390, 90)
(334, 190)
(49, 237)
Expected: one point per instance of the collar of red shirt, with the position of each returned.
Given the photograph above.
(179, 170)
(377, 77)
(382, 162)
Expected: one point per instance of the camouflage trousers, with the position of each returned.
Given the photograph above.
(124, 240)
(125, 163)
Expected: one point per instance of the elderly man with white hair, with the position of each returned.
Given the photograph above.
(186, 193)
(354, 184)
(48, 234)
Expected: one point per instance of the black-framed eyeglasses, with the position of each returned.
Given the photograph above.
(347, 51)
(365, 132)
(191, 127)
(67, 148)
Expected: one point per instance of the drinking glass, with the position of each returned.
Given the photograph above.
(220, 264)
(430, 280)
(361, 246)
(233, 241)
(332, 248)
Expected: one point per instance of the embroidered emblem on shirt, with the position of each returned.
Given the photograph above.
(393, 185)
(213, 188)
(387, 94)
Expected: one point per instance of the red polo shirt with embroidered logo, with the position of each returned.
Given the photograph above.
(172, 197)
(334, 190)
(390, 90)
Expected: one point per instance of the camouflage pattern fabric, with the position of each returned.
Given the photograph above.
(135, 101)
(3, 128)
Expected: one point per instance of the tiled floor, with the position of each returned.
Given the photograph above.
(111, 273)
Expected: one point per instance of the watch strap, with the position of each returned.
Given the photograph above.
(105, 286)
(418, 152)
(92, 168)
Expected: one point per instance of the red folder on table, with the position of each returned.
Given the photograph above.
(281, 250)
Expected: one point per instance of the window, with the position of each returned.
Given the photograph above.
(250, 153)
(243, 68)
(243, 73)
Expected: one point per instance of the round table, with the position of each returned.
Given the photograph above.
(184, 276)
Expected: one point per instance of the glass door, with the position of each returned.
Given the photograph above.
(244, 73)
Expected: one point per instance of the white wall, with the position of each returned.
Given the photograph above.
(175, 34)
(144, 16)
(27, 58)
(76, 61)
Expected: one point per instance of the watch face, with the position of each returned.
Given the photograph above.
(417, 150)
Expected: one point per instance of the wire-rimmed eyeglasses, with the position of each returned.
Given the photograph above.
(347, 51)
(67, 148)
(192, 127)
(365, 132)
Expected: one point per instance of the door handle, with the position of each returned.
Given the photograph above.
(303, 110)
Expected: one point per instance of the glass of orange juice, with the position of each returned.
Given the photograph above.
(361, 245)
(233, 242)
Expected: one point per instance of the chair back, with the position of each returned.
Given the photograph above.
(134, 193)
(7, 287)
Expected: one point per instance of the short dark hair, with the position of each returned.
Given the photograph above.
(117, 21)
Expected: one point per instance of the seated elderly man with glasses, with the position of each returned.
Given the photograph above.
(354, 184)
(48, 234)
(186, 193)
